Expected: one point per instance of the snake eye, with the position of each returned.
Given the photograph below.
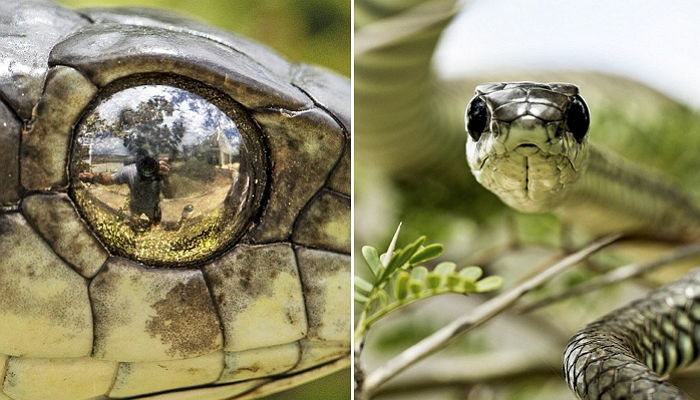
(163, 175)
(477, 118)
(577, 118)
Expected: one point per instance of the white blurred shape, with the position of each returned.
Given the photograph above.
(656, 42)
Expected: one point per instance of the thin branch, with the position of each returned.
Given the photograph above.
(478, 316)
(615, 276)
(498, 366)
(359, 373)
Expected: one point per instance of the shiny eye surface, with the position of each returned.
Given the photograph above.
(477, 118)
(577, 118)
(162, 175)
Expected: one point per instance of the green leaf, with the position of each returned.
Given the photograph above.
(419, 273)
(415, 286)
(372, 259)
(412, 248)
(401, 285)
(445, 268)
(453, 281)
(400, 269)
(390, 268)
(384, 259)
(426, 253)
(394, 263)
(471, 273)
(489, 283)
(402, 256)
(383, 298)
(467, 286)
(363, 285)
(361, 298)
(433, 280)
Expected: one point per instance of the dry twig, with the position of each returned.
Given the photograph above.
(617, 275)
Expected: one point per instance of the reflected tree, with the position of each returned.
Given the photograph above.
(144, 128)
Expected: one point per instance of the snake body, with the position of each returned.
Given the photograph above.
(399, 99)
(527, 143)
(625, 354)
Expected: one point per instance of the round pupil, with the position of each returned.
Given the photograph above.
(477, 118)
(160, 174)
(577, 119)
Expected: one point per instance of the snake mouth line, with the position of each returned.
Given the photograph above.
(571, 163)
(483, 162)
(527, 176)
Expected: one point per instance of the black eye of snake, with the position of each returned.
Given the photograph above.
(477, 118)
(578, 118)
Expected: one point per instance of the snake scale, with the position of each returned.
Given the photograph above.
(174, 209)
(518, 134)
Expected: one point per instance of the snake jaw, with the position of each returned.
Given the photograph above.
(529, 177)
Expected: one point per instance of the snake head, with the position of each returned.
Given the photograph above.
(527, 141)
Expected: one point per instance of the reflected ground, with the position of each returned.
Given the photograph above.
(160, 174)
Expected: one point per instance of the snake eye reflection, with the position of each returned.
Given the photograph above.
(477, 118)
(161, 175)
(577, 118)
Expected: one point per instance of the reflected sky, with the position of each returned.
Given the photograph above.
(198, 117)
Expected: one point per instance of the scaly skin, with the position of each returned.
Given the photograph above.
(625, 354)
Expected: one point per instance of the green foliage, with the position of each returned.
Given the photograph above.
(406, 332)
(398, 280)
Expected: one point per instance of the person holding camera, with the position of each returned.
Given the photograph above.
(147, 178)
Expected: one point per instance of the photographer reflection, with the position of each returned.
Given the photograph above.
(147, 178)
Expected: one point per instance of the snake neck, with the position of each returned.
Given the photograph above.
(616, 195)
(398, 97)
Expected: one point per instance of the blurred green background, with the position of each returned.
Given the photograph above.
(312, 31)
